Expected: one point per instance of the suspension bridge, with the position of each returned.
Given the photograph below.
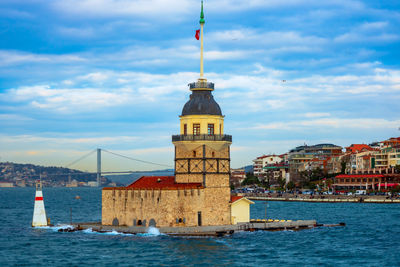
(99, 171)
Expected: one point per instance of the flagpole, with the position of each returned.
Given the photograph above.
(201, 51)
(202, 21)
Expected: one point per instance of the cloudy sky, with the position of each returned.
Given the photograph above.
(80, 74)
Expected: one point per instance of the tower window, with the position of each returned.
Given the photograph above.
(220, 129)
(196, 129)
(185, 129)
(210, 130)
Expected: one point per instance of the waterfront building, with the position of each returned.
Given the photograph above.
(307, 158)
(277, 172)
(6, 184)
(334, 163)
(321, 151)
(357, 148)
(237, 177)
(199, 193)
(240, 211)
(375, 180)
(261, 162)
(298, 163)
(388, 156)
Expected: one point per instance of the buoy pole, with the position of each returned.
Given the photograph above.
(39, 213)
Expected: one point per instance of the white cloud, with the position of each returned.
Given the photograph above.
(81, 32)
(62, 140)
(316, 114)
(332, 123)
(10, 57)
(163, 9)
(260, 90)
(371, 32)
(271, 38)
(238, 5)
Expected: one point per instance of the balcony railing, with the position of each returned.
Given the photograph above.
(201, 85)
(202, 137)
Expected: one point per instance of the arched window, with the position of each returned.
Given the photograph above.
(152, 222)
(194, 153)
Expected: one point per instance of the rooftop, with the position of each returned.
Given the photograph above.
(355, 148)
(161, 182)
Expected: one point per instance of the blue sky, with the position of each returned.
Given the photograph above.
(81, 74)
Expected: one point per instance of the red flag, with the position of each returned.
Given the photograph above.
(197, 34)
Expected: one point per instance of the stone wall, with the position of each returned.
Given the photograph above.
(166, 207)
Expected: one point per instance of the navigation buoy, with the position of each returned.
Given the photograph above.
(39, 213)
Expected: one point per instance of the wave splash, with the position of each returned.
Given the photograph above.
(153, 231)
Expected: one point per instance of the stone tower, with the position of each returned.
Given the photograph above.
(202, 150)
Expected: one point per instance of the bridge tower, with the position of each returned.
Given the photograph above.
(99, 167)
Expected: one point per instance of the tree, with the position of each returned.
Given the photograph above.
(397, 169)
(290, 185)
(250, 179)
(281, 182)
(395, 189)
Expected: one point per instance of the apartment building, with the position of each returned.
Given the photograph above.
(261, 162)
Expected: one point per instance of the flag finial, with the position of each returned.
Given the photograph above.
(202, 21)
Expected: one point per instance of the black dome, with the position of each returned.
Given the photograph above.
(201, 102)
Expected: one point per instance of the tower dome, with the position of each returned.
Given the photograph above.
(201, 103)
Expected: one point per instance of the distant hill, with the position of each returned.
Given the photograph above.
(248, 168)
(12, 172)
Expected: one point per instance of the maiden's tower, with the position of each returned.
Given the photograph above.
(199, 193)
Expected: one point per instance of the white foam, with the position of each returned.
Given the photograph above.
(153, 231)
(57, 227)
(88, 231)
(113, 232)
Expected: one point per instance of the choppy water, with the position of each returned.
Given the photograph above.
(371, 237)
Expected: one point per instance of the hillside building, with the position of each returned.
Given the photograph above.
(261, 162)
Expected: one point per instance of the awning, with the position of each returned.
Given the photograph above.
(389, 185)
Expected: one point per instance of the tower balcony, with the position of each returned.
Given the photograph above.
(202, 137)
(201, 85)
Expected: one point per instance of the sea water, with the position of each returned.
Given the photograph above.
(371, 236)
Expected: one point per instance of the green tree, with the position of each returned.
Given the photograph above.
(290, 185)
(281, 182)
(397, 168)
(250, 179)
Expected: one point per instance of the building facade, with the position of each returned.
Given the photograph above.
(261, 162)
(237, 177)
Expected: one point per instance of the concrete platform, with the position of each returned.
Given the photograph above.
(204, 230)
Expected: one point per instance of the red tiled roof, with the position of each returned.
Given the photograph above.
(358, 148)
(161, 182)
(359, 176)
(235, 198)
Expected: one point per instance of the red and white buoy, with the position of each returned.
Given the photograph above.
(39, 213)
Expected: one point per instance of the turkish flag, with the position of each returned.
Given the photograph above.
(197, 34)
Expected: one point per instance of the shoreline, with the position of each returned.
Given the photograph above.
(327, 200)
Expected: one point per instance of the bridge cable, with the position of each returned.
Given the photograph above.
(81, 158)
(144, 161)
